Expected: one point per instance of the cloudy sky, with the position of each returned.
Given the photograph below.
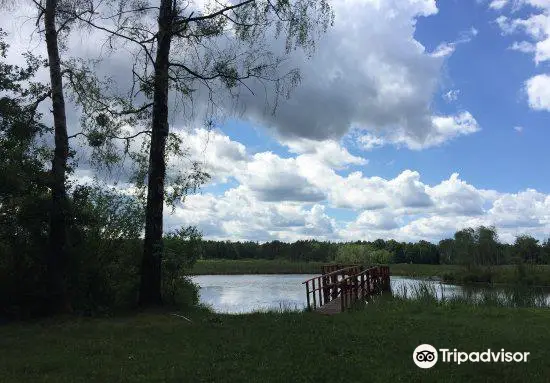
(413, 119)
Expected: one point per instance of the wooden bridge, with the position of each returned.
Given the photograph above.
(340, 286)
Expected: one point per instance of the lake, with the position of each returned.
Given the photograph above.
(247, 293)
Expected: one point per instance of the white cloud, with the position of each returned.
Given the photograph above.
(238, 215)
(328, 152)
(444, 129)
(272, 178)
(456, 197)
(518, 129)
(369, 72)
(286, 199)
(219, 155)
(498, 4)
(536, 26)
(538, 92)
(447, 48)
(451, 95)
(444, 50)
(370, 141)
(523, 46)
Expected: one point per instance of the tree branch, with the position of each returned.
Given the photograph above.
(35, 104)
(127, 138)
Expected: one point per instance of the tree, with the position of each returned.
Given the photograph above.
(56, 265)
(465, 247)
(487, 245)
(526, 249)
(546, 251)
(447, 251)
(23, 190)
(184, 49)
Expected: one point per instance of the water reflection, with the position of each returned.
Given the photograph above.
(247, 293)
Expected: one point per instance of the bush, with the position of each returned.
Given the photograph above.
(181, 250)
(362, 254)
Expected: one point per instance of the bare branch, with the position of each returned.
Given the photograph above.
(113, 136)
(35, 104)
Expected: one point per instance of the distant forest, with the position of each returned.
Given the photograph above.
(468, 247)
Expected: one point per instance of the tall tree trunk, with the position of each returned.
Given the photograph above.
(150, 288)
(57, 256)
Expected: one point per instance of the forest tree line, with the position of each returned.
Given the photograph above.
(468, 247)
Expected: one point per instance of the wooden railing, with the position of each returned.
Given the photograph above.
(362, 286)
(324, 288)
(350, 282)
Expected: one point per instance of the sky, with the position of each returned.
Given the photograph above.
(413, 119)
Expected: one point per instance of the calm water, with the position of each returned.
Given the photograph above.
(247, 293)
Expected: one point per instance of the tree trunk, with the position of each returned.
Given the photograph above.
(150, 288)
(57, 256)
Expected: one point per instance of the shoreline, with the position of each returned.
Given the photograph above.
(537, 275)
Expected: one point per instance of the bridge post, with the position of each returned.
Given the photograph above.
(313, 291)
(307, 295)
(362, 286)
(333, 281)
(356, 287)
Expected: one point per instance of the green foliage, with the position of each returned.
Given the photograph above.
(181, 250)
(23, 191)
(362, 254)
(104, 249)
(527, 249)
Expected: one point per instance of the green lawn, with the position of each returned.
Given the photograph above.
(370, 345)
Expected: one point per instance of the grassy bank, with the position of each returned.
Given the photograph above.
(255, 266)
(373, 345)
(507, 274)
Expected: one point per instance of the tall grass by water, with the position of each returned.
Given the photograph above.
(510, 297)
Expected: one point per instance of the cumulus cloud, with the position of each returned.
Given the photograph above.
(538, 92)
(368, 73)
(238, 215)
(328, 152)
(456, 197)
(444, 129)
(275, 179)
(287, 199)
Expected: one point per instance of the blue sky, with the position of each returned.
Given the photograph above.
(413, 119)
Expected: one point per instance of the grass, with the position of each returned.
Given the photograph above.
(506, 274)
(510, 296)
(374, 345)
(538, 275)
(255, 266)
(422, 271)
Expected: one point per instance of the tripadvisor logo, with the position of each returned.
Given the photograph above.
(426, 356)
